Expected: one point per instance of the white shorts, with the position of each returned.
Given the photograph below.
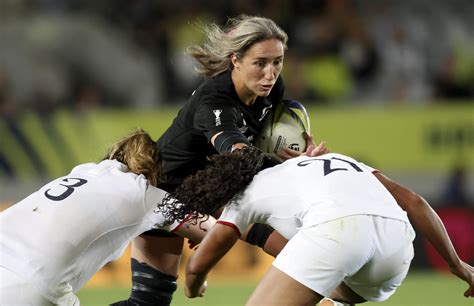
(14, 290)
(371, 254)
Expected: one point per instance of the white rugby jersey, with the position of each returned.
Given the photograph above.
(306, 191)
(62, 234)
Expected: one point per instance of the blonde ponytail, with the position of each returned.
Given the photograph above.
(139, 152)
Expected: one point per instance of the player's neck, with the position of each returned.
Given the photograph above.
(245, 95)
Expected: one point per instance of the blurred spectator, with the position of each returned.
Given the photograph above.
(42, 55)
(131, 52)
(455, 192)
(338, 59)
(6, 167)
(11, 131)
(358, 49)
(456, 76)
(317, 41)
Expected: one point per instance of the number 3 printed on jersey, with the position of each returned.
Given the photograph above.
(69, 184)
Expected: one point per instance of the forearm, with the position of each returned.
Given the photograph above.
(425, 220)
(428, 223)
(215, 245)
(195, 230)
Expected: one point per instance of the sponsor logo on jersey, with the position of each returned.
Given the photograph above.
(265, 112)
(294, 146)
(244, 126)
(217, 113)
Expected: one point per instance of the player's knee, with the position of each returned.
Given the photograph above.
(149, 287)
(259, 234)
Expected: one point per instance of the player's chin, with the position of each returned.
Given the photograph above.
(263, 92)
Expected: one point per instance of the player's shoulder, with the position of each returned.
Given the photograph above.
(110, 171)
(332, 160)
(84, 167)
(100, 167)
(220, 84)
(303, 160)
(213, 98)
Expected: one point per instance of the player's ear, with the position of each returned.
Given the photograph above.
(235, 61)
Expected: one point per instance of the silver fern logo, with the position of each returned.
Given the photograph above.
(244, 126)
(265, 111)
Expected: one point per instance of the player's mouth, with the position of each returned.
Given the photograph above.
(267, 87)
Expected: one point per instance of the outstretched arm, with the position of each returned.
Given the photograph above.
(427, 221)
(220, 239)
(195, 230)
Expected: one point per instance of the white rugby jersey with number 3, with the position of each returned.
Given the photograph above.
(306, 191)
(61, 235)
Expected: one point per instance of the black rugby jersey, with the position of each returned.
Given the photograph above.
(213, 107)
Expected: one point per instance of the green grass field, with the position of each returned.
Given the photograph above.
(419, 289)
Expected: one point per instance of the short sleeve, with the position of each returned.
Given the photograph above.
(368, 168)
(238, 215)
(154, 216)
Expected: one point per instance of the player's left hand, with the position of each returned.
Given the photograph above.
(311, 149)
(287, 153)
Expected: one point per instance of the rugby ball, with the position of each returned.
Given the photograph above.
(284, 127)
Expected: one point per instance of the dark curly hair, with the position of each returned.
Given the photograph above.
(226, 176)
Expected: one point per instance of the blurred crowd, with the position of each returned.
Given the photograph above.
(86, 53)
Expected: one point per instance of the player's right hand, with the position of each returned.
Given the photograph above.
(465, 272)
(203, 289)
(287, 153)
(199, 293)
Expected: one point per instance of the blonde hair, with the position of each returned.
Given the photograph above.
(139, 152)
(236, 37)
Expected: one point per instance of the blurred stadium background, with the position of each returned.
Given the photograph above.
(390, 82)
